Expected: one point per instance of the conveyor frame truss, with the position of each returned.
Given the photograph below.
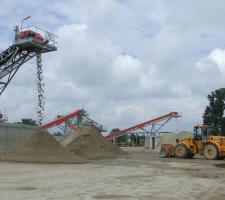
(10, 62)
(156, 125)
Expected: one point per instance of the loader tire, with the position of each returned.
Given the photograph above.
(181, 151)
(210, 152)
(163, 153)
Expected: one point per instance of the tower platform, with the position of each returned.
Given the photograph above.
(29, 42)
(33, 45)
(34, 39)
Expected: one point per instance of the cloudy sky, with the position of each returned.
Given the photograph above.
(125, 61)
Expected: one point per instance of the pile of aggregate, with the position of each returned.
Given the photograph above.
(41, 147)
(89, 143)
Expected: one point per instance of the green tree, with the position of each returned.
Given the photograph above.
(114, 130)
(214, 112)
(28, 122)
(120, 139)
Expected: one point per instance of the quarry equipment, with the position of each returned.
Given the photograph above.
(29, 42)
(167, 151)
(154, 123)
(72, 121)
(62, 121)
(29, 34)
(203, 143)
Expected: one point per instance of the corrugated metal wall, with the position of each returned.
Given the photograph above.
(13, 134)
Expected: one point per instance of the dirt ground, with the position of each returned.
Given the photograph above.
(139, 175)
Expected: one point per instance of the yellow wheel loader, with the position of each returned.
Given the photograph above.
(211, 147)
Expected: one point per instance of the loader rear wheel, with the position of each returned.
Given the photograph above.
(181, 151)
(210, 152)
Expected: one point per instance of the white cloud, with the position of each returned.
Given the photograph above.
(125, 61)
(71, 31)
(126, 68)
(215, 60)
(181, 90)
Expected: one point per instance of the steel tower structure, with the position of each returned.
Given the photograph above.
(29, 41)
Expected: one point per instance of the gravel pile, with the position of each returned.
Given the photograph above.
(89, 143)
(42, 147)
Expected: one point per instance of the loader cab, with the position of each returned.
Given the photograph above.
(201, 132)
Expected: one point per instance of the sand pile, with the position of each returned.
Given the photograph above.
(89, 143)
(42, 147)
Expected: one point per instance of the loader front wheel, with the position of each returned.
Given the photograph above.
(181, 151)
(210, 152)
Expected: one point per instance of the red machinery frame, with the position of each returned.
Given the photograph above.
(166, 117)
(62, 119)
(67, 121)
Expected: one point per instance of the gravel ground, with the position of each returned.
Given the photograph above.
(139, 175)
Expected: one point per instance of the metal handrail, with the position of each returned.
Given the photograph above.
(46, 34)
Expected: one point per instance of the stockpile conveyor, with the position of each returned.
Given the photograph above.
(72, 121)
(153, 122)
